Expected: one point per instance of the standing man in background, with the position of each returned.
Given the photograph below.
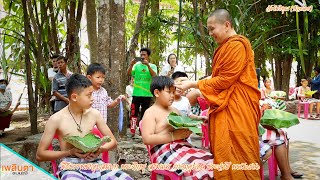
(142, 72)
(59, 84)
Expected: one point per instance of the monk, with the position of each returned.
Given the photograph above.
(233, 94)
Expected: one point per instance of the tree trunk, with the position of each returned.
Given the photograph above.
(38, 33)
(32, 103)
(117, 72)
(282, 72)
(53, 29)
(201, 38)
(111, 46)
(286, 71)
(92, 29)
(134, 41)
(77, 44)
(71, 28)
(154, 33)
(72, 43)
(104, 25)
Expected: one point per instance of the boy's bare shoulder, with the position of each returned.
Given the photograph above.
(92, 112)
(56, 117)
(151, 111)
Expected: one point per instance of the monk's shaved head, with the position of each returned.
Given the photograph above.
(222, 15)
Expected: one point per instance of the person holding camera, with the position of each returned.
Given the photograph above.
(142, 71)
(171, 67)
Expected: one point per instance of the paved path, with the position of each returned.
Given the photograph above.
(305, 148)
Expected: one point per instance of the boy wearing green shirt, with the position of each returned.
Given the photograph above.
(142, 72)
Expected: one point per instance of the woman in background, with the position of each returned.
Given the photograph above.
(171, 67)
(5, 103)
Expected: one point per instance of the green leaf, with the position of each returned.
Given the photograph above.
(275, 119)
(88, 143)
(184, 122)
(261, 130)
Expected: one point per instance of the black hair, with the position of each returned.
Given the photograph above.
(4, 80)
(160, 82)
(62, 57)
(317, 69)
(147, 50)
(222, 15)
(54, 56)
(95, 67)
(77, 82)
(171, 55)
(267, 79)
(178, 74)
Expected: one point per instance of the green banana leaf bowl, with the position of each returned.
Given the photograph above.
(184, 122)
(275, 119)
(88, 143)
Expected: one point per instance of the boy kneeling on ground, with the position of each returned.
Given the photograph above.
(77, 119)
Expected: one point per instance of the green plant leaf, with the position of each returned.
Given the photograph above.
(184, 122)
(88, 143)
(275, 119)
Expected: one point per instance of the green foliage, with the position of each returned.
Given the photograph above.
(12, 35)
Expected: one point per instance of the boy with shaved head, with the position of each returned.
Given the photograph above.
(233, 94)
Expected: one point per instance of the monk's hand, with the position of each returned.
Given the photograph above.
(181, 134)
(184, 84)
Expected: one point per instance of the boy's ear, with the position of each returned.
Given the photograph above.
(156, 92)
(74, 97)
(89, 77)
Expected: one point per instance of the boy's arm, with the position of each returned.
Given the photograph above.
(116, 101)
(192, 116)
(105, 130)
(148, 132)
(43, 154)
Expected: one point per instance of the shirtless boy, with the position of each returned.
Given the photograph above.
(168, 145)
(76, 119)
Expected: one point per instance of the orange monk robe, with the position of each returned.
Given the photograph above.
(234, 108)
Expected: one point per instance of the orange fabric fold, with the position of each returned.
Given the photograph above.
(234, 96)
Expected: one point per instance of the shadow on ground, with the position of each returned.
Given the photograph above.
(304, 158)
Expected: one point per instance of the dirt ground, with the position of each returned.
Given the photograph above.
(20, 127)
